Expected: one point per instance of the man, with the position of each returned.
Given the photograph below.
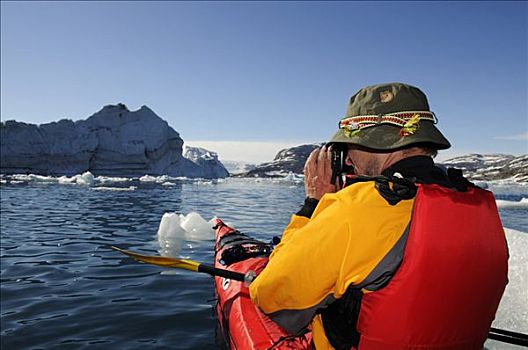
(405, 256)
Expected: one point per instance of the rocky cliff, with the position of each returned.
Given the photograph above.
(113, 141)
(286, 161)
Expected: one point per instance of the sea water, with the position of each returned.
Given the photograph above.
(62, 287)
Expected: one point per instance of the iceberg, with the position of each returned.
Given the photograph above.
(112, 142)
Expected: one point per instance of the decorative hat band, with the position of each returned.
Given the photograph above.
(408, 121)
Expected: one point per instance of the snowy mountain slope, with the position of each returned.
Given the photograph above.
(486, 167)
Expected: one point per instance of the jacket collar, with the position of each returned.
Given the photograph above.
(421, 168)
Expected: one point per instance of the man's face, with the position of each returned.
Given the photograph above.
(364, 162)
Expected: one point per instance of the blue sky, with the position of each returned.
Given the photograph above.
(271, 73)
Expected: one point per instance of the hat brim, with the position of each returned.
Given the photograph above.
(387, 137)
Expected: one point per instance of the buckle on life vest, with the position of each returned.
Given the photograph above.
(395, 189)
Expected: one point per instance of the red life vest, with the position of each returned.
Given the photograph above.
(448, 287)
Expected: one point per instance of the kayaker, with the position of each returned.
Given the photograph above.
(405, 256)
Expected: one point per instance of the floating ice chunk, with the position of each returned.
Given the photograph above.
(481, 184)
(147, 178)
(168, 183)
(507, 187)
(175, 228)
(157, 179)
(293, 177)
(86, 178)
(196, 227)
(522, 204)
(290, 176)
(109, 179)
(63, 180)
(204, 182)
(33, 178)
(105, 188)
(170, 235)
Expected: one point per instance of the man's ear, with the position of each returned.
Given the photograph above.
(348, 159)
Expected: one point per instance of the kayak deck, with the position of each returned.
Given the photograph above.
(243, 325)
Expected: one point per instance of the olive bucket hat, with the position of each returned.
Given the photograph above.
(389, 117)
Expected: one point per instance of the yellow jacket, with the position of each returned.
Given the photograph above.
(318, 258)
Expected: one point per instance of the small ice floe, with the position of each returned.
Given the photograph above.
(506, 187)
(481, 184)
(109, 179)
(119, 189)
(276, 173)
(203, 182)
(33, 178)
(175, 228)
(292, 177)
(86, 179)
(522, 204)
(156, 179)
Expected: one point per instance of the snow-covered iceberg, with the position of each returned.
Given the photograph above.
(111, 142)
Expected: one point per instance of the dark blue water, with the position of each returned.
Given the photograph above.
(63, 287)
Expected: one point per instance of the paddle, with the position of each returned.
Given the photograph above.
(188, 265)
(163, 261)
(508, 336)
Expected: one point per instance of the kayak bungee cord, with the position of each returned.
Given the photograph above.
(501, 335)
(190, 265)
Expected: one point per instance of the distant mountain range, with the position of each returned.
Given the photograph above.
(476, 167)
(485, 167)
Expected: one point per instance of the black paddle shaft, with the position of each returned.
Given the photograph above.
(508, 337)
(213, 271)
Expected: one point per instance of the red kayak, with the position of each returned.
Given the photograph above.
(242, 324)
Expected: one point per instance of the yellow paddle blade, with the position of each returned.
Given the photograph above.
(162, 260)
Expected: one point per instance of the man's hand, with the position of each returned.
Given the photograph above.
(318, 173)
